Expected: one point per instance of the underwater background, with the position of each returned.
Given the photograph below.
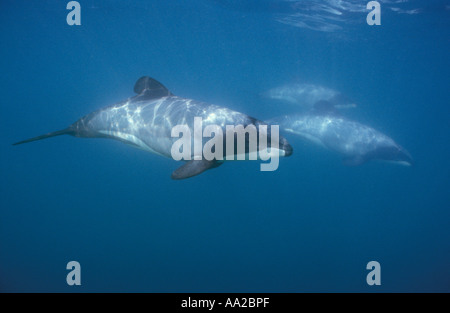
(310, 226)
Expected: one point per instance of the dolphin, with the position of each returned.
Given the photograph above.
(357, 143)
(146, 121)
(306, 95)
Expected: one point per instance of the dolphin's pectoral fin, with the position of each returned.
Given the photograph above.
(149, 88)
(193, 168)
(354, 161)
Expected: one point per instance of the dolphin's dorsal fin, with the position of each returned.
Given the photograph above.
(324, 107)
(151, 88)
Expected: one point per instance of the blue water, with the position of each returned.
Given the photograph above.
(312, 225)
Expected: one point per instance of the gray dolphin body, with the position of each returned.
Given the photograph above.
(357, 143)
(306, 95)
(146, 121)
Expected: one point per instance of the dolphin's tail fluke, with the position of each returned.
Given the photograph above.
(67, 131)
